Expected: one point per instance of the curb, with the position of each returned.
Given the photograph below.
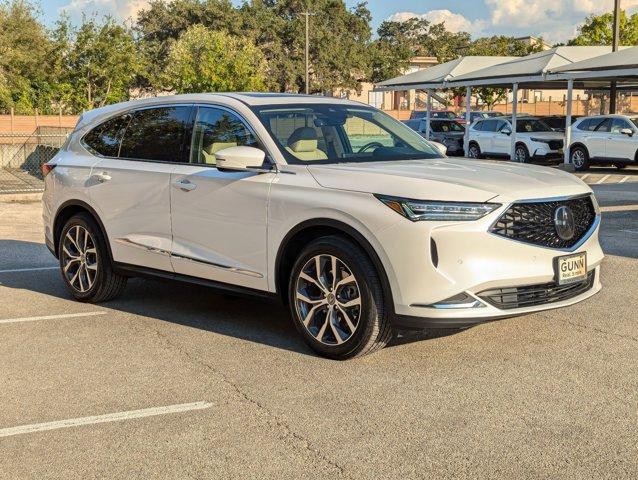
(20, 197)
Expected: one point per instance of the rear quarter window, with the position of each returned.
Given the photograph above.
(105, 139)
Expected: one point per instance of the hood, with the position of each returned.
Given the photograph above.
(448, 179)
(544, 135)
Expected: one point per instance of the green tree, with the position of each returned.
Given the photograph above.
(398, 42)
(203, 60)
(101, 65)
(490, 96)
(339, 39)
(160, 25)
(598, 30)
(24, 48)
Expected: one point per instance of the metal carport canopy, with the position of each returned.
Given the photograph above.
(437, 76)
(529, 71)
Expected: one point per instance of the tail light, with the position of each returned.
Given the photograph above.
(46, 168)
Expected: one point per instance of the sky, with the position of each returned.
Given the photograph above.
(554, 20)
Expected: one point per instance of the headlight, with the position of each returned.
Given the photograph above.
(416, 210)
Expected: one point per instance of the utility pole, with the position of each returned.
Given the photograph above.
(614, 48)
(307, 14)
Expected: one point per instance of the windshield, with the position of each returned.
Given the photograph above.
(634, 120)
(336, 133)
(531, 125)
(445, 127)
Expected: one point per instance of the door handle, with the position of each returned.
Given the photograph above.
(102, 177)
(184, 185)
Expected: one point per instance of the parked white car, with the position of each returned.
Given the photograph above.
(534, 139)
(347, 215)
(604, 139)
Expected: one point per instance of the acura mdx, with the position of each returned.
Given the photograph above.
(347, 215)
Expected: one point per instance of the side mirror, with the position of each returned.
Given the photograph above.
(506, 131)
(241, 159)
(439, 146)
(627, 131)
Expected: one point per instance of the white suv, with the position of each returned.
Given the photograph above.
(534, 139)
(344, 213)
(604, 139)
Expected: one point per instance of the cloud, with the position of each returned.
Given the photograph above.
(455, 22)
(555, 20)
(120, 9)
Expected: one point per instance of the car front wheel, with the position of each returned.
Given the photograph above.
(579, 159)
(521, 153)
(85, 263)
(474, 151)
(336, 300)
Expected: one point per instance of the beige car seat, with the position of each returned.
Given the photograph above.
(303, 145)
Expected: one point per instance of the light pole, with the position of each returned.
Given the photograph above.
(307, 14)
(614, 48)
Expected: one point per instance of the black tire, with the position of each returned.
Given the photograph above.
(474, 151)
(106, 283)
(579, 158)
(373, 329)
(621, 166)
(521, 154)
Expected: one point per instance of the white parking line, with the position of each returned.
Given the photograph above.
(602, 180)
(51, 317)
(109, 417)
(15, 270)
(585, 176)
(624, 179)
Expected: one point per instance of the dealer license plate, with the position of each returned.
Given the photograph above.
(571, 268)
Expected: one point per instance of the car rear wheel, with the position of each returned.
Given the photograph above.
(474, 151)
(336, 300)
(85, 263)
(521, 154)
(579, 158)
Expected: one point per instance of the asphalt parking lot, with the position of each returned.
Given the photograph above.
(176, 381)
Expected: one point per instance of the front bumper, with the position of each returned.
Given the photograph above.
(542, 151)
(467, 317)
(433, 261)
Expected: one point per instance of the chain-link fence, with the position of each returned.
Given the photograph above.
(22, 155)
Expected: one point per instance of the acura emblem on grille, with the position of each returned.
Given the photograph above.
(564, 222)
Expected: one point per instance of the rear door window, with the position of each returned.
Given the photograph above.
(157, 134)
(490, 125)
(105, 139)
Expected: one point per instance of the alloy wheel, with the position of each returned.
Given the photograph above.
(473, 152)
(521, 155)
(578, 158)
(79, 258)
(328, 299)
